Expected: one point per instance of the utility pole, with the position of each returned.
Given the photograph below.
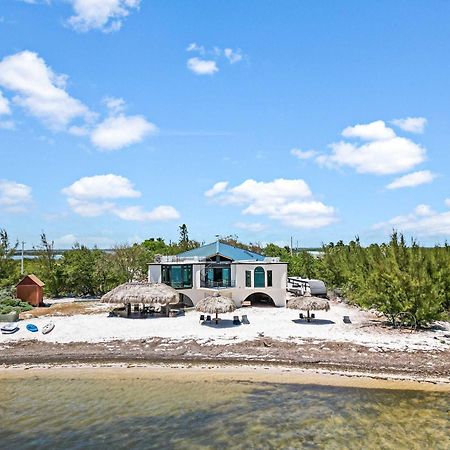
(291, 245)
(21, 259)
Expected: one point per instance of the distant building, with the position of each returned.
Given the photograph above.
(239, 274)
(30, 289)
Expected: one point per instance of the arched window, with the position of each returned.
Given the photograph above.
(259, 278)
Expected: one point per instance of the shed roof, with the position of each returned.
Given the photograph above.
(222, 249)
(33, 278)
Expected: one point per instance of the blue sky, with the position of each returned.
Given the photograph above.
(320, 120)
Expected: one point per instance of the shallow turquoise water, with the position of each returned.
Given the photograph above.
(164, 413)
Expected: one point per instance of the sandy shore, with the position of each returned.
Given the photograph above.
(274, 337)
(330, 356)
(223, 373)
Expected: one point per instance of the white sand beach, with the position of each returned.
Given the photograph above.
(275, 323)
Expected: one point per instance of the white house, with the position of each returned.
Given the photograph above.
(239, 274)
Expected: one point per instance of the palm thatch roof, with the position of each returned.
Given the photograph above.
(140, 292)
(309, 303)
(215, 304)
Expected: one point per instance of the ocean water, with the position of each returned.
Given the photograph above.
(183, 412)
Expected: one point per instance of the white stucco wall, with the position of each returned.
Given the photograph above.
(240, 292)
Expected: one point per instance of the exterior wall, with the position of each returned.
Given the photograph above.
(30, 293)
(240, 292)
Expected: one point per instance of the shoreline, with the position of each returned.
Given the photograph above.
(244, 372)
(347, 360)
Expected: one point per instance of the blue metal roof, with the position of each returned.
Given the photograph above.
(219, 248)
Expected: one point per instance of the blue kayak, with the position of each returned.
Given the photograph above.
(32, 328)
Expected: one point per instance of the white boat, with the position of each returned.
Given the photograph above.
(9, 328)
(48, 327)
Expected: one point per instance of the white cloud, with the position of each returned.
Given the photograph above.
(121, 131)
(423, 210)
(7, 125)
(137, 213)
(14, 197)
(115, 105)
(104, 15)
(68, 240)
(217, 189)
(202, 66)
(412, 179)
(288, 201)
(40, 91)
(423, 221)
(4, 105)
(384, 154)
(253, 227)
(193, 47)
(89, 208)
(411, 124)
(447, 202)
(102, 186)
(303, 154)
(373, 131)
(89, 197)
(233, 56)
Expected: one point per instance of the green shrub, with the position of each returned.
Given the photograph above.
(8, 303)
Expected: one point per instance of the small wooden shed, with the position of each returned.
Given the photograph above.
(30, 289)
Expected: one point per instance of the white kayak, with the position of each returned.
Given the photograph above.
(48, 327)
(9, 328)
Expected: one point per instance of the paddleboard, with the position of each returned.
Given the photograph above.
(32, 328)
(9, 328)
(48, 327)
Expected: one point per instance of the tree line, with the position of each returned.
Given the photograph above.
(394, 277)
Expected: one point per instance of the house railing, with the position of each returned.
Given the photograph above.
(217, 284)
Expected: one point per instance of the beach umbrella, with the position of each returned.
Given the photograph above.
(308, 303)
(141, 292)
(215, 304)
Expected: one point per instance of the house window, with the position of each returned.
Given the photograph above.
(248, 278)
(269, 278)
(259, 276)
(177, 276)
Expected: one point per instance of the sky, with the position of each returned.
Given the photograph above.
(316, 120)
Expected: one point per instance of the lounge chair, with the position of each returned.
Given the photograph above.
(245, 319)
(346, 319)
(313, 316)
(208, 318)
(301, 316)
(202, 317)
(236, 320)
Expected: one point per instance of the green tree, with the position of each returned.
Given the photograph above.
(8, 267)
(49, 269)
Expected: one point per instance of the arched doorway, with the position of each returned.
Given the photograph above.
(186, 301)
(259, 277)
(260, 299)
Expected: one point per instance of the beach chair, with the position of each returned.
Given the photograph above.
(301, 316)
(346, 319)
(245, 319)
(202, 317)
(313, 316)
(236, 320)
(208, 318)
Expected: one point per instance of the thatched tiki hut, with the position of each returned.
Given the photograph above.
(142, 293)
(215, 304)
(308, 304)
